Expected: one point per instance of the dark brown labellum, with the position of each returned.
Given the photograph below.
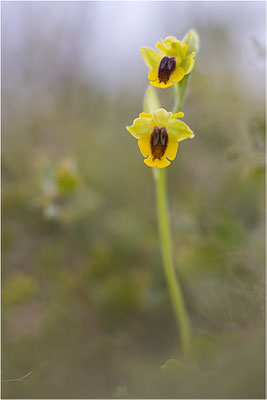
(158, 142)
(166, 68)
(155, 136)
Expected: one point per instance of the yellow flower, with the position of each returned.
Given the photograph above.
(171, 64)
(158, 135)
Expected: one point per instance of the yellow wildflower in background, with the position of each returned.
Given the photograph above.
(158, 135)
(171, 64)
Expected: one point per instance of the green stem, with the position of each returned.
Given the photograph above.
(174, 287)
(179, 92)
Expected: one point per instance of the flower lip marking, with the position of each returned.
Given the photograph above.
(158, 142)
(166, 68)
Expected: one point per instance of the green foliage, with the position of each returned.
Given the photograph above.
(18, 289)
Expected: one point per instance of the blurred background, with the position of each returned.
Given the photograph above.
(85, 308)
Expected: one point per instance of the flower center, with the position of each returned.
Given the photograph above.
(158, 142)
(166, 68)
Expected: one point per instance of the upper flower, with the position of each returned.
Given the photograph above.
(171, 64)
(158, 135)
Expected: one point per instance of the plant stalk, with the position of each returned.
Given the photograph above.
(179, 93)
(173, 284)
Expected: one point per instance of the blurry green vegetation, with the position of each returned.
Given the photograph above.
(85, 305)
(19, 289)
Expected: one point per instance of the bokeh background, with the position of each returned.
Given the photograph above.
(85, 309)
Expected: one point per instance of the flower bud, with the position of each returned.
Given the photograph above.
(192, 41)
(151, 100)
(67, 175)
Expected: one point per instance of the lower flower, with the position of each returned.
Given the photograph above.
(158, 136)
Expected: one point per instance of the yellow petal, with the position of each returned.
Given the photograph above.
(153, 74)
(144, 144)
(188, 63)
(177, 75)
(161, 85)
(157, 163)
(147, 115)
(151, 57)
(191, 66)
(172, 147)
(170, 39)
(169, 42)
(173, 47)
(179, 129)
(178, 115)
(149, 161)
(172, 51)
(161, 48)
(184, 50)
(161, 163)
(140, 127)
(161, 117)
